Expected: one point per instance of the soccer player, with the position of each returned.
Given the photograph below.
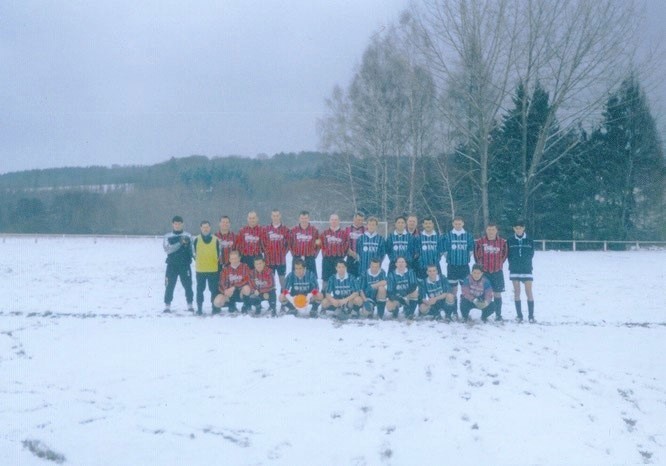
(355, 231)
(521, 252)
(342, 294)
(476, 292)
(248, 240)
(227, 239)
(262, 286)
(458, 246)
(429, 245)
(371, 245)
(435, 295)
(275, 243)
(413, 225)
(178, 246)
(206, 249)
(490, 251)
(373, 288)
(234, 285)
(304, 242)
(400, 243)
(334, 247)
(402, 289)
(304, 282)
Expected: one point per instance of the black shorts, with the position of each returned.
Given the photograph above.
(280, 269)
(456, 273)
(328, 266)
(496, 280)
(249, 260)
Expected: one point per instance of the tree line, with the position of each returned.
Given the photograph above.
(497, 109)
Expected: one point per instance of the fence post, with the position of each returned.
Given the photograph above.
(543, 244)
(605, 245)
(574, 245)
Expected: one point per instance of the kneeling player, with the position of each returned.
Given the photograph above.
(342, 295)
(234, 285)
(402, 289)
(436, 295)
(262, 286)
(476, 293)
(300, 282)
(373, 289)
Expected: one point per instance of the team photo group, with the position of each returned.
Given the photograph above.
(248, 268)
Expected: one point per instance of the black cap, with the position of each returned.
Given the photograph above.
(177, 218)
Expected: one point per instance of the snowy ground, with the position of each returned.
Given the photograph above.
(92, 373)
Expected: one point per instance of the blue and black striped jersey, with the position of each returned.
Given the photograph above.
(401, 245)
(458, 247)
(340, 288)
(430, 289)
(430, 249)
(301, 285)
(368, 247)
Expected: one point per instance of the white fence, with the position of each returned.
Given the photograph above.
(542, 244)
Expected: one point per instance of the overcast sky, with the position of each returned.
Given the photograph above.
(137, 82)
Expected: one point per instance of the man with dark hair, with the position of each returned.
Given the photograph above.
(490, 251)
(300, 282)
(458, 246)
(342, 294)
(373, 288)
(305, 242)
(206, 249)
(435, 295)
(227, 240)
(354, 232)
(262, 287)
(178, 246)
(521, 252)
(477, 292)
(371, 245)
(400, 243)
(429, 246)
(402, 290)
(275, 242)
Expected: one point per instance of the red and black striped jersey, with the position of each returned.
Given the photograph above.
(234, 277)
(248, 240)
(275, 242)
(334, 243)
(227, 243)
(490, 254)
(354, 234)
(302, 241)
(263, 281)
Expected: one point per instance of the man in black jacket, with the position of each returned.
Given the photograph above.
(521, 252)
(178, 246)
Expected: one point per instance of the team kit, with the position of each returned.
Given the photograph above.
(244, 268)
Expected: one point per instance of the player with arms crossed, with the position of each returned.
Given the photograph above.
(521, 252)
(490, 251)
(248, 240)
(342, 294)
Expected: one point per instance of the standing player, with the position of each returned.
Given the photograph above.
(402, 290)
(373, 289)
(275, 243)
(458, 246)
(304, 242)
(370, 245)
(413, 225)
(476, 292)
(521, 252)
(248, 240)
(400, 243)
(178, 246)
(342, 294)
(435, 295)
(355, 231)
(227, 239)
(429, 245)
(206, 250)
(334, 247)
(490, 251)
(234, 285)
(262, 287)
(301, 282)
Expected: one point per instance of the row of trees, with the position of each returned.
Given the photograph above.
(500, 109)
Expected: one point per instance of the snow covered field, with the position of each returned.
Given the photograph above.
(92, 373)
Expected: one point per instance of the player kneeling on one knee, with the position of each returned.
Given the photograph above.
(435, 295)
(402, 289)
(343, 294)
(477, 293)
